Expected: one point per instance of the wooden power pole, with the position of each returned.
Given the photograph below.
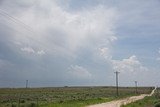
(26, 83)
(117, 82)
(136, 86)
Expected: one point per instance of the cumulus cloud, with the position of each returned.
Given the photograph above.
(105, 52)
(45, 27)
(69, 37)
(32, 51)
(132, 64)
(28, 50)
(79, 72)
(41, 52)
(64, 32)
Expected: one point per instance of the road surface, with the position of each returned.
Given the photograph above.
(124, 101)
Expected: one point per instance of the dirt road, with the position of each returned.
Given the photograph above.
(124, 101)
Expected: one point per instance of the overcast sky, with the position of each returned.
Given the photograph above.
(79, 42)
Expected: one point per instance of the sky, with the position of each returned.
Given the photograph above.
(79, 42)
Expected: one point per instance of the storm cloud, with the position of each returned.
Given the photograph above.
(59, 43)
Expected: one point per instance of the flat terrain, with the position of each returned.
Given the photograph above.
(63, 96)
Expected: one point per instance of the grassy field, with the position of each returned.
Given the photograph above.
(153, 101)
(63, 96)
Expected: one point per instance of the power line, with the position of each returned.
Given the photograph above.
(27, 28)
(16, 20)
(32, 32)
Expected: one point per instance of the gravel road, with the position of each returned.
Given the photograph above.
(124, 101)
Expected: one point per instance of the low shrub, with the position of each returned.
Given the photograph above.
(157, 104)
(32, 105)
(13, 105)
(22, 101)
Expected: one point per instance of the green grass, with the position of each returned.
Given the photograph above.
(151, 101)
(79, 103)
(63, 96)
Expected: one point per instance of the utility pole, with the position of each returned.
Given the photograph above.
(117, 82)
(26, 83)
(136, 86)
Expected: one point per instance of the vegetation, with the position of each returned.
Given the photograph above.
(63, 96)
(152, 101)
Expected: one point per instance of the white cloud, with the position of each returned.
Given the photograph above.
(132, 64)
(79, 72)
(41, 52)
(54, 29)
(63, 32)
(28, 50)
(105, 52)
